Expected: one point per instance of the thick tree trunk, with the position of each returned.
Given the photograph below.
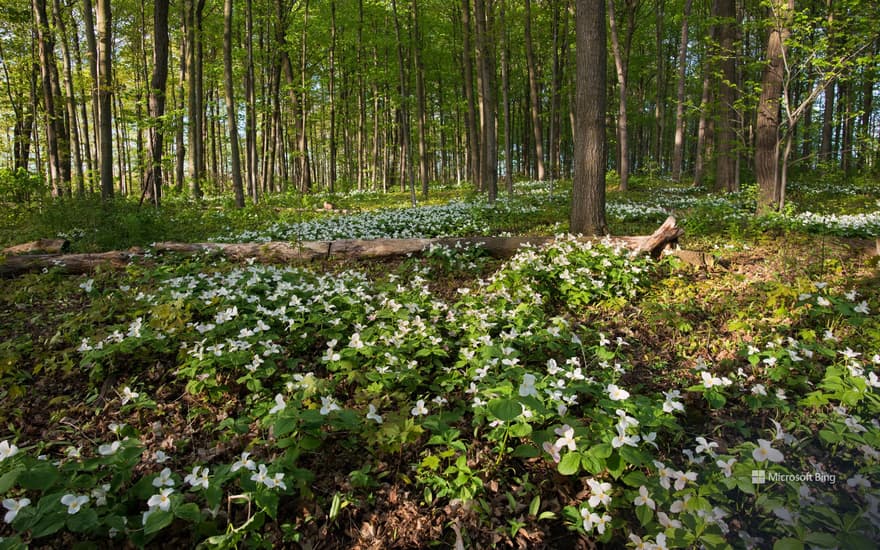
(767, 140)
(588, 184)
(678, 143)
(156, 103)
(534, 97)
(105, 95)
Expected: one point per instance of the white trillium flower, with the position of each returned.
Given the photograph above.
(74, 503)
(7, 450)
(373, 415)
(163, 479)
(764, 452)
(616, 394)
(244, 462)
(109, 449)
(644, 498)
(280, 404)
(600, 493)
(419, 409)
(13, 507)
(161, 500)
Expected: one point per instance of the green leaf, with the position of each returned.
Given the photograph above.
(644, 514)
(526, 451)
(48, 524)
(788, 543)
(157, 521)
(823, 540)
(189, 512)
(42, 476)
(505, 409)
(81, 522)
(570, 463)
(535, 506)
(830, 436)
(285, 424)
(7, 480)
(520, 430)
(593, 464)
(602, 450)
(268, 501)
(635, 478)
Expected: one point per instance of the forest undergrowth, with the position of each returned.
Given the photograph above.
(569, 397)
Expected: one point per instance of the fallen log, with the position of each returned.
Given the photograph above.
(282, 252)
(40, 246)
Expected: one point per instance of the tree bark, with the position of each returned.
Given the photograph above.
(588, 184)
(767, 140)
(285, 252)
(473, 139)
(622, 123)
(105, 95)
(505, 91)
(704, 131)
(70, 104)
(57, 137)
(305, 184)
(678, 143)
(725, 136)
(421, 100)
(231, 111)
(534, 97)
(486, 63)
(156, 103)
(250, 125)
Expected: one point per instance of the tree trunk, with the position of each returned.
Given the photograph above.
(57, 140)
(195, 50)
(622, 124)
(534, 98)
(156, 103)
(588, 184)
(231, 111)
(473, 139)
(725, 136)
(305, 184)
(767, 141)
(285, 252)
(71, 99)
(678, 143)
(403, 113)
(505, 91)
(105, 95)
(486, 63)
(825, 147)
(704, 131)
(421, 100)
(250, 125)
(332, 93)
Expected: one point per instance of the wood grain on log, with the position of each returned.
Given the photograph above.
(283, 252)
(41, 246)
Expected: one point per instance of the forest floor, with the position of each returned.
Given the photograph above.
(570, 397)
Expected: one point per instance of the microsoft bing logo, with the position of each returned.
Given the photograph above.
(759, 477)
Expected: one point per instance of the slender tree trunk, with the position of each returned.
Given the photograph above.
(622, 123)
(421, 100)
(250, 125)
(332, 93)
(846, 93)
(231, 111)
(825, 146)
(362, 101)
(306, 173)
(588, 185)
(505, 91)
(678, 143)
(105, 95)
(92, 52)
(403, 116)
(534, 98)
(704, 131)
(57, 139)
(486, 62)
(73, 129)
(867, 110)
(725, 137)
(156, 103)
(473, 139)
(86, 138)
(767, 142)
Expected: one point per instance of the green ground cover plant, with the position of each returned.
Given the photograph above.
(572, 391)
